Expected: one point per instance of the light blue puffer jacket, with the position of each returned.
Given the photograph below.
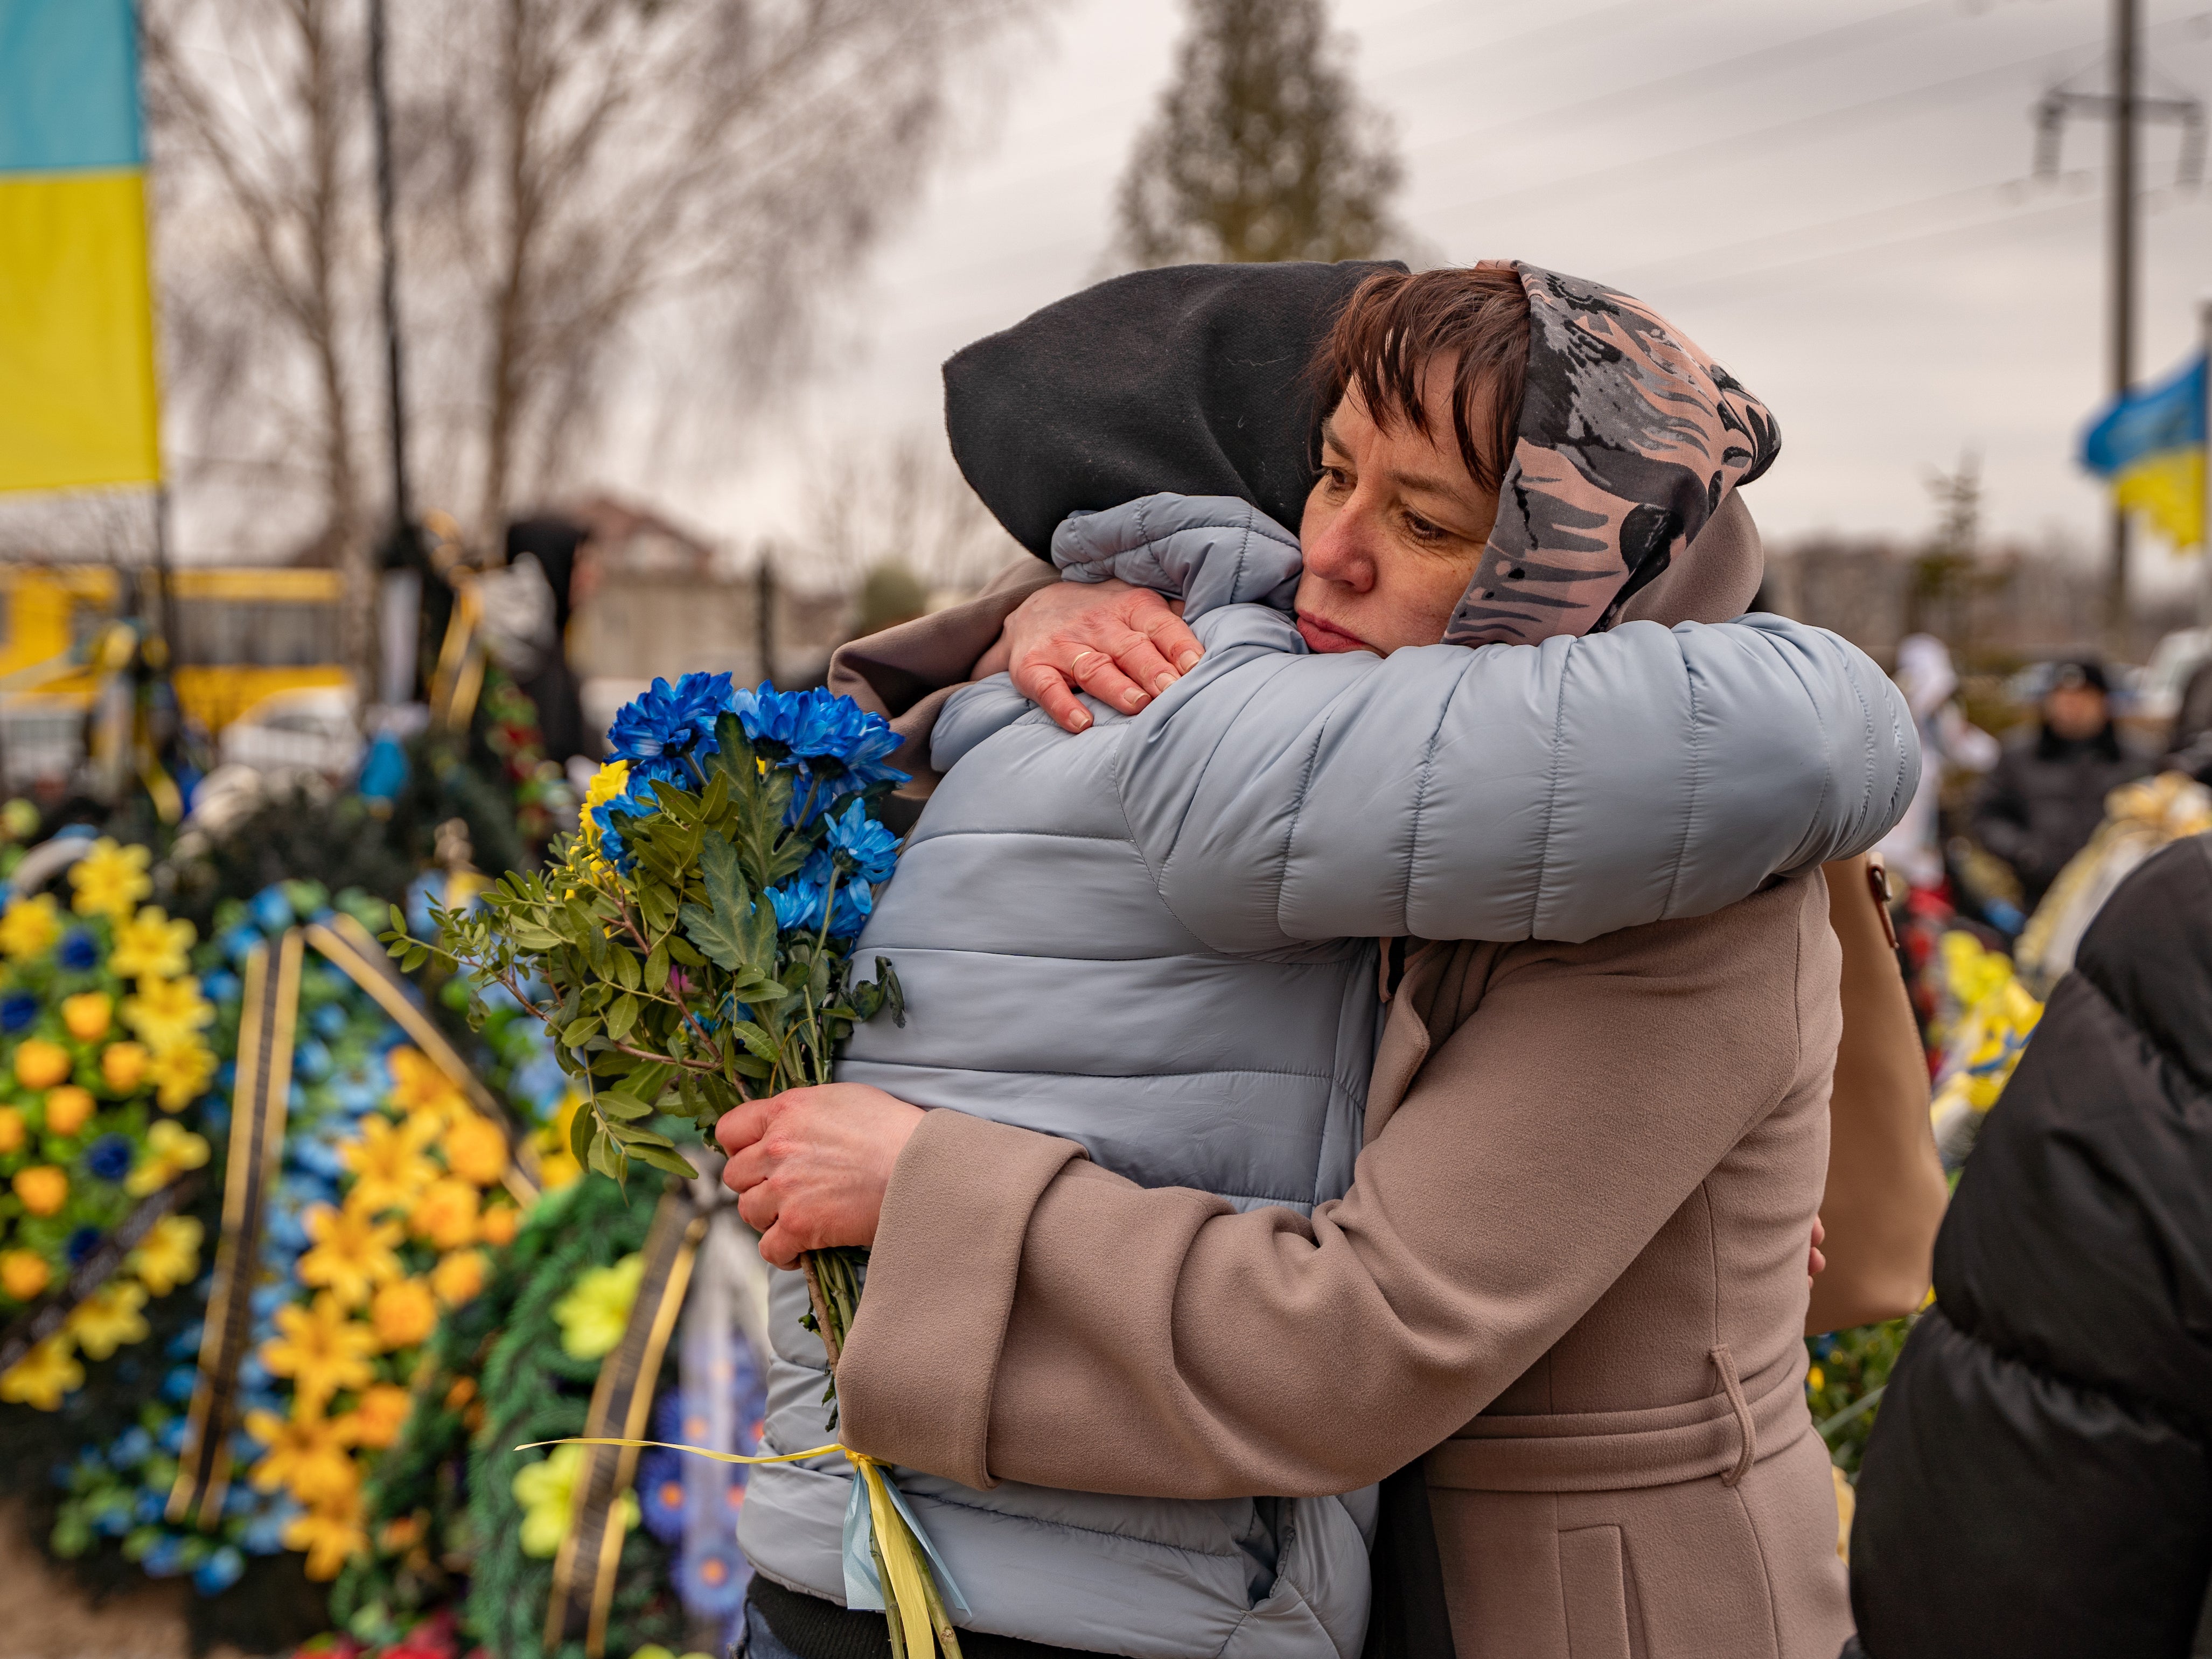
(1157, 938)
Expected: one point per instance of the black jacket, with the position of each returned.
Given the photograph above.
(2040, 1480)
(2045, 798)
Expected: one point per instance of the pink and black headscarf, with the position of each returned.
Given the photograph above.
(1630, 438)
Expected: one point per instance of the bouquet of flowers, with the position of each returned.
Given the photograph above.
(691, 947)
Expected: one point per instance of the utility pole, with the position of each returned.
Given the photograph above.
(399, 567)
(2124, 107)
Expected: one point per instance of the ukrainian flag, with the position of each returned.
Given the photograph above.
(77, 402)
(2150, 445)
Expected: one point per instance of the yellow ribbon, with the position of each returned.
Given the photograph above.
(900, 1553)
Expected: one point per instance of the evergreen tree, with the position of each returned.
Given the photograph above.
(1261, 148)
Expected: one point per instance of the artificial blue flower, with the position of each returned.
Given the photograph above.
(311, 1060)
(222, 986)
(271, 907)
(130, 1448)
(172, 1438)
(79, 953)
(264, 1534)
(186, 1343)
(82, 1243)
(148, 1506)
(712, 1579)
(861, 846)
(164, 1557)
(224, 1567)
(660, 1493)
(17, 1010)
(664, 734)
(329, 1020)
(114, 1513)
(109, 1158)
(239, 942)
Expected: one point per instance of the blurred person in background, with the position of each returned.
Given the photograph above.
(2039, 1481)
(1948, 741)
(2045, 796)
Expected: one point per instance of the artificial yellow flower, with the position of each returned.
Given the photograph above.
(419, 1085)
(30, 927)
(353, 1252)
(42, 1376)
(109, 1318)
(69, 1109)
(475, 1149)
(556, 1164)
(123, 1065)
(167, 1011)
(151, 946)
(23, 1274)
(547, 1492)
(87, 1014)
(320, 1349)
(110, 880)
(591, 1316)
(307, 1455)
(403, 1313)
(170, 1151)
(445, 1213)
(43, 1189)
(168, 1254)
(458, 1277)
(329, 1533)
(180, 1073)
(40, 1064)
(499, 1223)
(377, 1420)
(12, 1134)
(389, 1168)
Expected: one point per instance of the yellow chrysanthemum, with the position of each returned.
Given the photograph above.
(353, 1253)
(445, 1213)
(43, 1189)
(607, 783)
(180, 1073)
(23, 1274)
(330, 1535)
(168, 1254)
(110, 880)
(389, 1168)
(475, 1149)
(376, 1421)
(556, 1164)
(547, 1492)
(458, 1277)
(68, 1109)
(320, 1349)
(403, 1313)
(170, 1151)
(30, 927)
(151, 946)
(168, 1012)
(499, 1223)
(42, 1376)
(123, 1066)
(418, 1085)
(109, 1318)
(307, 1455)
(87, 1015)
(592, 1315)
(40, 1064)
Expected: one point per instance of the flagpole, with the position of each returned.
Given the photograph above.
(2204, 522)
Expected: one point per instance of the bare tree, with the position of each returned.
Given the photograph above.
(900, 503)
(1261, 148)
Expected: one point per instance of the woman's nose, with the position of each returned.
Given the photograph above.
(1343, 551)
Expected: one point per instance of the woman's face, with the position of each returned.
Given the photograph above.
(1393, 531)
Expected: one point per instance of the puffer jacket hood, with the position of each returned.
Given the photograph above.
(1629, 440)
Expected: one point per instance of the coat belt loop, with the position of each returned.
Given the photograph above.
(1724, 1362)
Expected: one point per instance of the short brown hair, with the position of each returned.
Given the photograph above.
(1394, 327)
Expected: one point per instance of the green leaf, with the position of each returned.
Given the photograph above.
(648, 1080)
(622, 1015)
(581, 1032)
(618, 1106)
(631, 1135)
(656, 968)
(608, 1158)
(725, 927)
(580, 1134)
(755, 1039)
(671, 1161)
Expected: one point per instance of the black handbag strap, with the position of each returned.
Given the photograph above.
(1408, 1618)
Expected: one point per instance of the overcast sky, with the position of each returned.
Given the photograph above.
(1833, 196)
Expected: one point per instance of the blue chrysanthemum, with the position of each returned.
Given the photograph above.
(17, 1010)
(108, 1157)
(80, 954)
(224, 1567)
(861, 846)
(797, 904)
(839, 744)
(81, 1243)
(665, 732)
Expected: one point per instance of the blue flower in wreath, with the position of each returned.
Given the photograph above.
(164, 1557)
(223, 1567)
(663, 733)
(131, 1448)
(80, 953)
(660, 1493)
(82, 1243)
(712, 1579)
(17, 1010)
(109, 1158)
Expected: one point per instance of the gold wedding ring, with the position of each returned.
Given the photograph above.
(1076, 666)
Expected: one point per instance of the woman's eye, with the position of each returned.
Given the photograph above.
(1339, 480)
(1423, 529)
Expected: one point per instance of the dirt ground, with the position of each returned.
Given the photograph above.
(43, 1615)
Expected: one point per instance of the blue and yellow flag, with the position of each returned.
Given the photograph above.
(2150, 446)
(78, 400)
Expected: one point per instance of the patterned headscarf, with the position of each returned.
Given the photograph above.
(1630, 438)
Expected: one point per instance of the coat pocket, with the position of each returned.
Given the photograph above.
(1594, 1580)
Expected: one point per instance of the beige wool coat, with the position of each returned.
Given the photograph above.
(1569, 1278)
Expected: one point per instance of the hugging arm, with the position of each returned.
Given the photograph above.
(1559, 791)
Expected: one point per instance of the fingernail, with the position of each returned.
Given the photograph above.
(1082, 720)
(1135, 699)
(1186, 661)
(1164, 681)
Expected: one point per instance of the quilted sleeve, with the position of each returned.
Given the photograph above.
(1558, 791)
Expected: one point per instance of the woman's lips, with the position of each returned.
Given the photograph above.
(1326, 636)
